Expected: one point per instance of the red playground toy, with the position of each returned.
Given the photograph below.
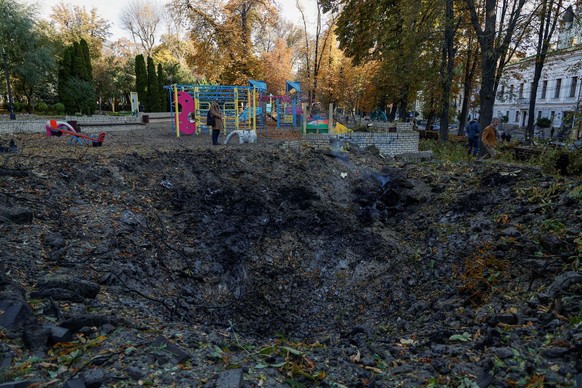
(58, 128)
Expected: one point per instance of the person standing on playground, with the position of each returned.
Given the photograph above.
(218, 121)
(489, 139)
(473, 130)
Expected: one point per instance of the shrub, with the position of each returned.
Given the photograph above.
(59, 108)
(544, 122)
(451, 151)
(42, 107)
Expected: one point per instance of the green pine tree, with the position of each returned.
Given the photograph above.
(76, 89)
(141, 79)
(88, 71)
(79, 68)
(65, 67)
(153, 100)
(164, 103)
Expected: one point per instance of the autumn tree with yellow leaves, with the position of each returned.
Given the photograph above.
(222, 35)
(277, 67)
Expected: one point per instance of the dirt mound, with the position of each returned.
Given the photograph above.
(162, 261)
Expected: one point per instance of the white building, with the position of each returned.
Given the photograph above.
(560, 87)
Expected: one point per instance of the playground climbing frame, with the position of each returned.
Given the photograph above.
(242, 106)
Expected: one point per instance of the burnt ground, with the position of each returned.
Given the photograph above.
(168, 262)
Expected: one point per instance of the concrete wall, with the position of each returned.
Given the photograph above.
(88, 124)
(379, 126)
(388, 143)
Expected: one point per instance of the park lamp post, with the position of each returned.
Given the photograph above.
(10, 104)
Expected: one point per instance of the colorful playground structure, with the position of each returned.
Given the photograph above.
(242, 106)
(59, 128)
(245, 107)
(286, 110)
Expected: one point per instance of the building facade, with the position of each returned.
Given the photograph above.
(560, 87)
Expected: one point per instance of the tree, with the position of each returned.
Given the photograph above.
(141, 78)
(79, 96)
(106, 71)
(470, 62)
(153, 89)
(223, 31)
(71, 23)
(277, 67)
(84, 52)
(141, 19)
(123, 52)
(321, 37)
(447, 67)
(29, 54)
(357, 92)
(34, 73)
(81, 61)
(547, 17)
(162, 81)
(332, 78)
(400, 36)
(495, 36)
(65, 73)
(76, 72)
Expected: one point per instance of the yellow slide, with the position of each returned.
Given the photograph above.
(340, 128)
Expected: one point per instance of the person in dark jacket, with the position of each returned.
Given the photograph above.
(473, 130)
(218, 121)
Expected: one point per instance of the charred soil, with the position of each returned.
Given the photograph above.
(169, 262)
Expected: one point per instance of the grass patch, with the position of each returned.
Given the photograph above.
(551, 159)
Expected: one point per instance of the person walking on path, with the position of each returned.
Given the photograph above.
(489, 139)
(218, 121)
(473, 130)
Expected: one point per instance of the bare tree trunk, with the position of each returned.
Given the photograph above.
(307, 52)
(548, 20)
(402, 111)
(447, 67)
(495, 38)
(393, 110)
(470, 66)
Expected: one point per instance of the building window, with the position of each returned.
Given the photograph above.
(521, 90)
(539, 114)
(507, 114)
(558, 87)
(573, 86)
(511, 92)
(517, 116)
(544, 89)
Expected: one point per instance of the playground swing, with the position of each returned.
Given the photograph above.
(58, 128)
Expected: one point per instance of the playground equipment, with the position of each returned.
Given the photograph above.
(340, 128)
(286, 109)
(322, 126)
(378, 115)
(243, 136)
(242, 106)
(318, 126)
(59, 128)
